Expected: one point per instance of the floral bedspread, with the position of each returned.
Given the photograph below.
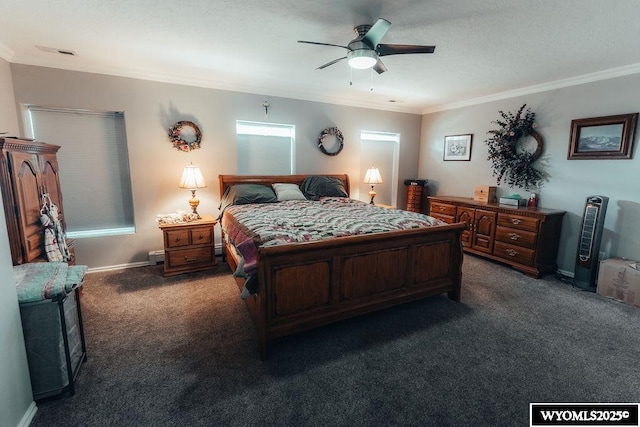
(250, 226)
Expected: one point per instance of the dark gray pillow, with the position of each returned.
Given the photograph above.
(242, 194)
(313, 187)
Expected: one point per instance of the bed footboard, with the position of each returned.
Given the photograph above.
(306, 285)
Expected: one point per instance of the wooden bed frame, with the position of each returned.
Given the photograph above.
(306, 285)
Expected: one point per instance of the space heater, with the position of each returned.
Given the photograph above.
(589, 244)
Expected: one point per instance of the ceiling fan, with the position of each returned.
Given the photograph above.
(365, 50)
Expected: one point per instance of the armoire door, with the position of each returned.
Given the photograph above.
(50, 178)
(25, 170)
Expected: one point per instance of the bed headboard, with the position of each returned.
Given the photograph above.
(229, 180)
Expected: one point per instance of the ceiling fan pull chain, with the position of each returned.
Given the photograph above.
(350, 76)
(371, 88)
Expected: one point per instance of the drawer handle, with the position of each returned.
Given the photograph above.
(177, 239)
(187, 259)
(514, 236)
(511, 252)
(516, 221)
(441, 208)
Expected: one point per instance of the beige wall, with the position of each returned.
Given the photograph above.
(570, 181)
(16, 401)
(150, 108)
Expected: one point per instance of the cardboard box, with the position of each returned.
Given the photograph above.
(620, 279)
(484, 193)
(513, 202)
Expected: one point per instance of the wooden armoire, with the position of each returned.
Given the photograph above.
(28, 169)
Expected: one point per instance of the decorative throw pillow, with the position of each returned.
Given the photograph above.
(288, 192)
(242, 194)
(315, 186)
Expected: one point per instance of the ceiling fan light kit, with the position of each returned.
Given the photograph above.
(362, 59)
(365, 50)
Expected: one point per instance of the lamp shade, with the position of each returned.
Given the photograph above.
(192, 178)
(372, 176)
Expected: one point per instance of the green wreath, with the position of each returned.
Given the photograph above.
(175, 135)
(511, 164)
(331, 131)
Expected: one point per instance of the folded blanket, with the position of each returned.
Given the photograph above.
(36, 281)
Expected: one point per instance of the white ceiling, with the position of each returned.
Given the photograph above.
(485, 50)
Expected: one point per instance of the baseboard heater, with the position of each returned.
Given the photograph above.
(156, 257)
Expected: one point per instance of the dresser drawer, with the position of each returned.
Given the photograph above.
(517, 237)
(442, 209)
(514, 253)
(446, 218)
(189, 257)
(519, 222)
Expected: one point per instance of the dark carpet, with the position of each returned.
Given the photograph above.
(182, 351)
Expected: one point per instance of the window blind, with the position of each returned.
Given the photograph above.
(94, 168)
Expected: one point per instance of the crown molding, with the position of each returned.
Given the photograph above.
(558, 84)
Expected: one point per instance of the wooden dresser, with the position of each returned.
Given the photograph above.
(523, 237)
(28, 169)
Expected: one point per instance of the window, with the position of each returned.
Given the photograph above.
(265, 148)
(94, 168)
(380, 149)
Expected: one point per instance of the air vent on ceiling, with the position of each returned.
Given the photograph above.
(56, 50)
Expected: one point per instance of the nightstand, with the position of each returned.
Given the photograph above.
(190, 246)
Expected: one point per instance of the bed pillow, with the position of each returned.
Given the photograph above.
(315, 186)
(243, 194)
(288, 192)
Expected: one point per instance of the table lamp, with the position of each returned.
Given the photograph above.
(192, 179)
(372, 177)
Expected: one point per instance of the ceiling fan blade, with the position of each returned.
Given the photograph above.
(323, 44)
(397, 49)
(330, 63)
(379, 67)
(376, 32)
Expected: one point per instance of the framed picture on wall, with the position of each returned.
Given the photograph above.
(609, 137)
(457, 147)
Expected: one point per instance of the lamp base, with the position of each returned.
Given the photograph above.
(372, 194)
(194, 202)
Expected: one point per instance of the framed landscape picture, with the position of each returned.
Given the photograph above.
(457, 147)
(609, 137)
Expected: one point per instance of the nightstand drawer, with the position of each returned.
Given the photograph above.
(201, 236)
(189, 257)
(176, 238)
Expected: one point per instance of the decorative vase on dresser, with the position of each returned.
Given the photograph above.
(526, 238)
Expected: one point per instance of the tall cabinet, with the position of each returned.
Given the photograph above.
(28, 169)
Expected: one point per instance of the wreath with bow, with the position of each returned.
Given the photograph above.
(331, 131)
(510, 163)
(177, 140)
